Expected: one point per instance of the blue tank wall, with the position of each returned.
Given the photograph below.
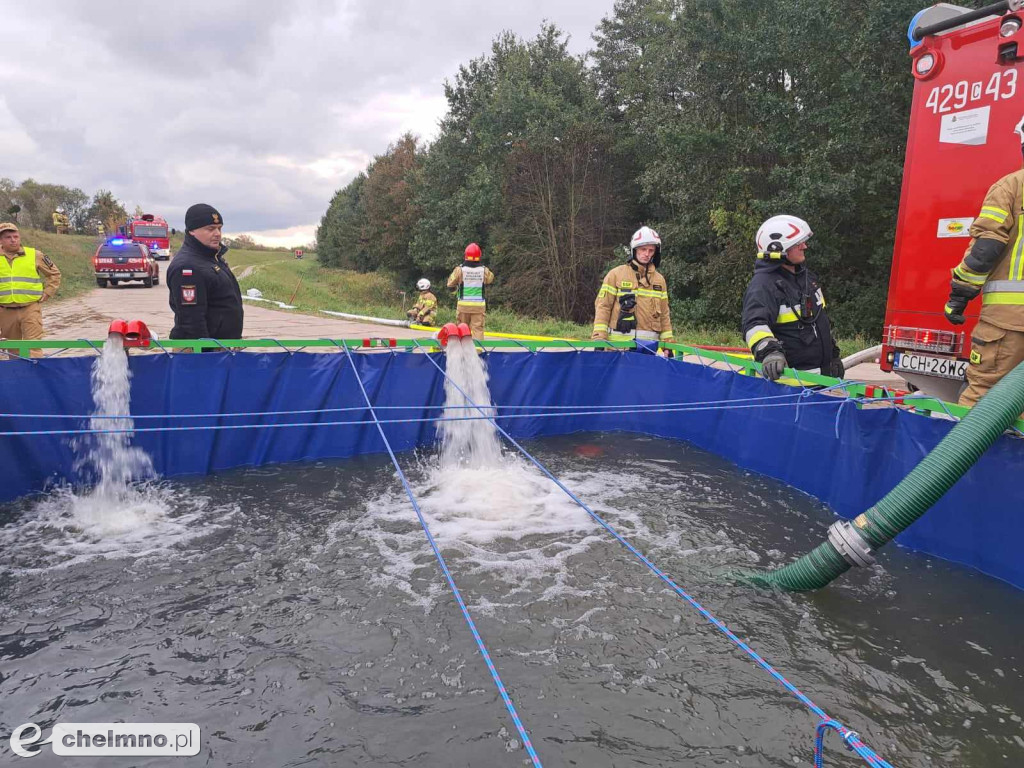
(846, 457)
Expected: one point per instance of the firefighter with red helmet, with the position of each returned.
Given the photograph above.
(632, 303)
(469, 281)
(784, 319)
(993, 267)
(424, 310)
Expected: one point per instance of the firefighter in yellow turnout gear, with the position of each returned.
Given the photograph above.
(633, 300)
(27, 279)
(424, 311)
(469, 281)
(993, 267)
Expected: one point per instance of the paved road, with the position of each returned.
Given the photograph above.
(89, 316)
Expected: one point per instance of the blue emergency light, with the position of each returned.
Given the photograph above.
(117, 241)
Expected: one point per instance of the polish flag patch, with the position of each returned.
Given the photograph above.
(186, 272)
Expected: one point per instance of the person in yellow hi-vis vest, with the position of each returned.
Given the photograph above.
(424, 311)
(469, 280)
(27, 279)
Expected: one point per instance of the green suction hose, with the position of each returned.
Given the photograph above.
(853, 544)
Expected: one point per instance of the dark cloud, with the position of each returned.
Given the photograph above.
(263, 109)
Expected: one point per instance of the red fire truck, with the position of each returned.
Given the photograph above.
(968, 97)
(152, 232)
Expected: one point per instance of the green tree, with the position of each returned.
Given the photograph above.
(8, 198)
(388, 201)
(107, 210)
(525, 165)
(340, 237)
(243, 242)
(39, 201)
(736, 115)
(75, 203)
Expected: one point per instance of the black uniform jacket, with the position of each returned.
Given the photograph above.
(205, 296)
(792, 305)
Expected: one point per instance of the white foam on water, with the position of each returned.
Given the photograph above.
(498, 516)
(125, 514)
(509, 522)
(65, 527)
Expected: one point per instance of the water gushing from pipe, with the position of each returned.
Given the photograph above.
(469, 443)
(112, 456)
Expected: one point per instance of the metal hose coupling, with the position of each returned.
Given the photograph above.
(849, 543)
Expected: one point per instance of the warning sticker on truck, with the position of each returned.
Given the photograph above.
(967, 127)
(955, 227)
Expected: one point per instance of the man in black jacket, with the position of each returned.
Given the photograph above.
(784, 319)
(205, 296)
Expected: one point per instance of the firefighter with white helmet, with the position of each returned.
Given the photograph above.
(784, 319)
(469, 282)
(633, 300)
(993, 267)
(424, 311)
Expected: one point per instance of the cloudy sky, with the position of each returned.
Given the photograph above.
(262, 109)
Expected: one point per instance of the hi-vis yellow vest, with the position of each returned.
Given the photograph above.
(19, 281)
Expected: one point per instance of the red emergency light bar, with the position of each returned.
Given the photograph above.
(924, 339)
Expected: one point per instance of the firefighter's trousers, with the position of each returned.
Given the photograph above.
(22, 322)
(994, 353)
(475, 321)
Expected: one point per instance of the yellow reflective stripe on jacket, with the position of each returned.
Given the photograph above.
(1017, 260)
(610, 290)
(1002, 298)
(786, 315)
(600, 327)
(757, 334)
(19, 280)
(965, 275)
(666, 335)
(651, 294)
(1003, 292)
(991, 212)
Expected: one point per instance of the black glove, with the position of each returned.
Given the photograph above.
(837, 370)
(954, 310)
(960, 295)
(773, 365)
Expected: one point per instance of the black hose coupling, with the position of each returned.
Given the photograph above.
(849, 543)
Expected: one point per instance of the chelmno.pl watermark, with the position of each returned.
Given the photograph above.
(109, 739)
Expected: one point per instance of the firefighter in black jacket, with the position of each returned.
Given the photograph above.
(784, 319)
(205, 296)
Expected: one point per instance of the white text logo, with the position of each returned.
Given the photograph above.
(109, 739)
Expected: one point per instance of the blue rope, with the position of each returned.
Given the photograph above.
(448, 575)
(362, 422)
(849, 736)
(645, 406)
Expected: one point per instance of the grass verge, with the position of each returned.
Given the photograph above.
(311, 287)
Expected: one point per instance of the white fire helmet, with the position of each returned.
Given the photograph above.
(1019, 130)
(646, 236)
(780, 233)
(423, 284)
